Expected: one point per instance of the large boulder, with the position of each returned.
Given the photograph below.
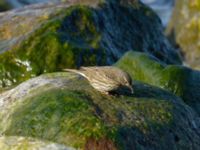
(179, 80)
(63, 108)
(162, 7)
(184, 30)
(48, 37)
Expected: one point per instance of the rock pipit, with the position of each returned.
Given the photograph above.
(106, 79)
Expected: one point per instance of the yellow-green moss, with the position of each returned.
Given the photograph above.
(4, 5)
(59, 115)
(188, 23)
(147, 69)
(68, 41)
(194, 5)
(75, 113)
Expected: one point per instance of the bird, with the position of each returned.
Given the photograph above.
(106, 79)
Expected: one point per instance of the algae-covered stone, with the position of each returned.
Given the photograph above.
(184, 26)
(4, 5)
(50, 37)
(63, 108)
(182, 81)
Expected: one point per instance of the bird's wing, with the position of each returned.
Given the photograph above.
(75, 71)
(94, 68)
(103, 73)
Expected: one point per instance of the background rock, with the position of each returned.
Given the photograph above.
(162, 7)
(21, 3)
(181, 81)
(50, 37)
(184, 27)
(4, 6)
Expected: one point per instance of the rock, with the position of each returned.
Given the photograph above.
(4, 5)
(22, 3)
(184, 28)
(181, 81)
(63, 108)
(49, 37)
(63, 111)
(162, 7)
(21, 143)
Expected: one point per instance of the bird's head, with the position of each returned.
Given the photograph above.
(128, 82)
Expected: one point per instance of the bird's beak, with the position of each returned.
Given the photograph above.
(131, 88)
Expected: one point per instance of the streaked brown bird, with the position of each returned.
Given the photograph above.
(106, 79)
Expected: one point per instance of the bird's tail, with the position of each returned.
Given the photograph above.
(75, 71)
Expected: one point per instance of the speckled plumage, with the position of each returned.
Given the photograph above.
(105, 78)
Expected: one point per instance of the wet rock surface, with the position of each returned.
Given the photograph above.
(65, 109)
(60, 110)
(162, 7)
(179, 80)
(53, 36)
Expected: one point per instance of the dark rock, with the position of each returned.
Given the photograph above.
(51, 37)
(4, 5)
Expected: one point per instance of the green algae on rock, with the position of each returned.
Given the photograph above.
(44, 51)
(4, 5)
(63, 108)
(75, 34)
(50, 48)
(182, 81)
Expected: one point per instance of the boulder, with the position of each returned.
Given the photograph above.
(184, 31)
(63, 108)
(49, 37)
(179, 80)
(4, 5)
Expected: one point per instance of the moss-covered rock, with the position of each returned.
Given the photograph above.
(4, 5)
(182, 81)
(77, 34)
(63, 108)
(184, 28)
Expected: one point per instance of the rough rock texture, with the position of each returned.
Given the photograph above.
(162, 7)
(63, 111)
(63, 108)
(25, 143)
(182, 81)
(184, 26)
(22, 3)
(47, 38)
